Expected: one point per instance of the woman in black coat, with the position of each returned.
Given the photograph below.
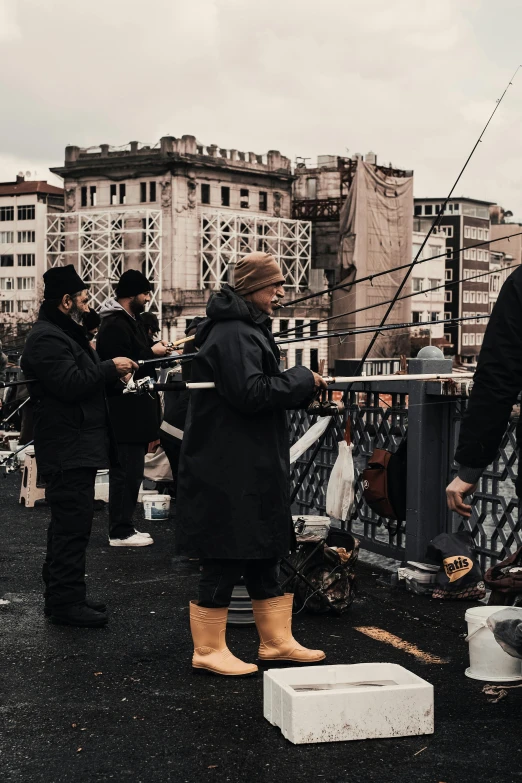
(233, 485)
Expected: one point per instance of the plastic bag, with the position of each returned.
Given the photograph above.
(309, 438)
(460, 576)
(507, 630)
(340, 491)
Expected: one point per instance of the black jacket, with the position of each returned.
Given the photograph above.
(135, 419)
(70, 409)
(233, 484)
(496, 384)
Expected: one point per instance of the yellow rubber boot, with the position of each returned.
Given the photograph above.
(208, 628)
(273, 618)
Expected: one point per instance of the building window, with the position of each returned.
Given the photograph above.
(26, 212)
(7, 237)
(7, 306)
(465, 297)
(205, 193)
(480, 233)
(299, 357)
(456, 207)
(447, 337)
(6, 213)
(473, 254)
(478, 339)
(263, 201)
(84, 196)
(143, 192)
(448, 296)
(24, 305)
(25, 283)
(479, 297)
(418, 210)
(243, 198)
(471, 339)
(6, 283)
(467, 232)
(465, 338)
(434, 251)
(449, 274)
(152, 191)
(27, 236)
(26, 259)
(92, 195)
(434, 316)
(486, 255)
(428, 209)
(123, 193)
(113, 195)
(434, 283)
(311, 187)
(486, 233)
(417, 284)
(299, 328)
(314, 360)
(283, 325)
(447, 316)
(313, 328)
(7, 260)
(416, 316)
(225, 196)
(472, 297)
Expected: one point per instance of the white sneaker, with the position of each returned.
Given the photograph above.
(139, 533)
(136, 540)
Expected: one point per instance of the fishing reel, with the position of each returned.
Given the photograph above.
(140, 387)
(322, 406)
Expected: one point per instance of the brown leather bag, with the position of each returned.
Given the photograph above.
(375, 484)
(504, 583)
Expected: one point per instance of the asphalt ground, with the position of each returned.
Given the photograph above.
(120, 703)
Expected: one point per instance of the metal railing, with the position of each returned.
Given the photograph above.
(430, 413)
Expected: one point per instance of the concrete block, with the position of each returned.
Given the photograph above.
(347, 702)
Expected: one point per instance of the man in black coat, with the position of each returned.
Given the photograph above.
(71, 437)
(233, 502)
(496, 386)
(135, 419)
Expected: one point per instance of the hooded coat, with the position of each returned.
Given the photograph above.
(135, 419)
(234, 479)
(70, 408)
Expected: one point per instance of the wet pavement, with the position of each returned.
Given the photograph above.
(120, 703)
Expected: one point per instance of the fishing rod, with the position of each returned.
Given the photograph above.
(401, 298)
(166, 361)
(400, 288)
(370, 278)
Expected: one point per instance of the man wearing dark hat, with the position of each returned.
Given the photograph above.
(233, 501)
(135, 419)
(71, 437)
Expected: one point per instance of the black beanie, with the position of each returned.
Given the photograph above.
(61, 280)
(132, 283)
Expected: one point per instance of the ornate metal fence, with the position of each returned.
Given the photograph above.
(380, 419)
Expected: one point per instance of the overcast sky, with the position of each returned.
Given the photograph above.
(412, 80)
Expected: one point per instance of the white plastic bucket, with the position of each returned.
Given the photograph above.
(487, 659)
(156, 506)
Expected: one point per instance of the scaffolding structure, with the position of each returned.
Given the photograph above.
(102, 244)
(227, 236)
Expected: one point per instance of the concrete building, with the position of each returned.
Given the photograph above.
(501, 264)
(184, 213)
(428, 306)
(379, 200)
(24, 207)
(465, 224)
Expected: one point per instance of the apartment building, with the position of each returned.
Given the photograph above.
(465, 225)
(184, 213)
(427, 305)
(24, 207)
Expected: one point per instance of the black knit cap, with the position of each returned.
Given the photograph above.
(132, 283)
(61, 280)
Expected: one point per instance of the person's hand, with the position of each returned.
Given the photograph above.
(124, 365)
(319, 381)
(161, 349)
(455, 494)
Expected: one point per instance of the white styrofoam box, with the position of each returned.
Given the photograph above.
(347, 702)
(317, 525)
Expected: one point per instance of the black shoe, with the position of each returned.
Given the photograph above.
(96, 605)
(79, 615)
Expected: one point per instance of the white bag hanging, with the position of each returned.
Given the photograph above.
(309, 438)
(340, 492)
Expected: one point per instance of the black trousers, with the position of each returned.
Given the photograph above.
(70, 495)
(124, 486)
(218, 578)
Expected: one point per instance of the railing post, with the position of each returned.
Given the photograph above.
(428, 457)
